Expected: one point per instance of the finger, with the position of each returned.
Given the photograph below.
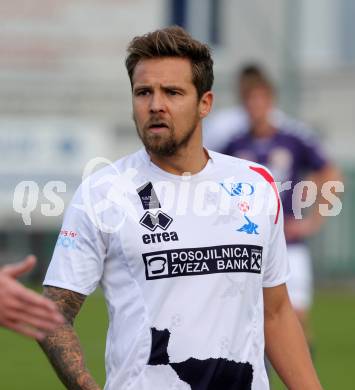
(42, 314)
(16, 270)
(27, 301)
(29, 297)
(32, 320)
(26, 331)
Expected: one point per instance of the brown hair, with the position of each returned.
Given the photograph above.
(173, 42)
(253, 76)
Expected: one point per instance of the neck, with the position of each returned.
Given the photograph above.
(190, 158)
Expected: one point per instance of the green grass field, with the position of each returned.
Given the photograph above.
(24, 367)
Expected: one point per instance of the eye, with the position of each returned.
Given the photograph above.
(172, 92)
(142, 92)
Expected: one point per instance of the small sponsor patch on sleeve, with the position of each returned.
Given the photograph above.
(67, 239)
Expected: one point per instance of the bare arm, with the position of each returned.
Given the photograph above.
(23, 310)
(62, 347)
(311, 223)
(285, 342)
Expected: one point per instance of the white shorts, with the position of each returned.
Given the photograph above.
(300, 283)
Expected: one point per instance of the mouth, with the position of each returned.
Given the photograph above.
(158, 127)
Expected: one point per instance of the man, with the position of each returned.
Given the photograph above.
(223, 125)
(23, 310)
(184, 282)
(292, 153)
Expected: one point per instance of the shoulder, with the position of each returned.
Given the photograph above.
(239, 165)
(118, 175)
(244, 175)
(298, 131)
(104, 196)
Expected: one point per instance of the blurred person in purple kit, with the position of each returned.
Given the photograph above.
(265, 135)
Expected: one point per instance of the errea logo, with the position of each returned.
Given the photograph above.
(151, 221)
(154, 221)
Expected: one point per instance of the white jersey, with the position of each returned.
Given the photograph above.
(182, 261)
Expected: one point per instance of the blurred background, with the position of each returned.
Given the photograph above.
(65, 98)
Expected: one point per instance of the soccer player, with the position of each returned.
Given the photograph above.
(267, 136)
(23, 310)
(187, 244)
(223, 125)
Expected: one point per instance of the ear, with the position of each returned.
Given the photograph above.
(205, 104)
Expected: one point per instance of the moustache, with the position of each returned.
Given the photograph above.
(156, 122)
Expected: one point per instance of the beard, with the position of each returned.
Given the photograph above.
(166, 144)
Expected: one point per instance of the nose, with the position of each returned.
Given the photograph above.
(157, 103)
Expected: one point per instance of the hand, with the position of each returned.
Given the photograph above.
(23, 310)
(298, 229)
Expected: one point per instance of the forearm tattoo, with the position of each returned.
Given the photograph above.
(62, 347)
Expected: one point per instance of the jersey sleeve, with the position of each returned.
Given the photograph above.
(78, 258)
(277, 268)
